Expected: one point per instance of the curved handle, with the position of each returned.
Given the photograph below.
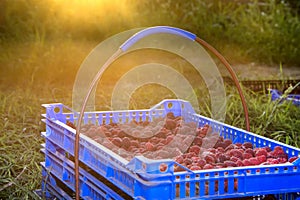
(153, 30)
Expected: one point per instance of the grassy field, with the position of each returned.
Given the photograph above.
(42, 45)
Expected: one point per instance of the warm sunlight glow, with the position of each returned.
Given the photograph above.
(78, 12)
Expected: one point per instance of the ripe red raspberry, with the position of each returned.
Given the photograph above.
(212, 150)
(195, 167)
(135, 143)
(187, 161)
(239, 163)
(229, 163)
(209, 159)
(278, 148)
(201, 162)
(220, 149)
(221, 157)
(179, 159)
(268, 149)
(254, 161)
(149, 146)
(227, 142)
(208, 166)
(230, 147)
(117, 141)
(170, 124)
(272, 161)
(247, 155)
(292, 159)
(234, 159)
(247, 145)
(195, 149)
(126, 143)
(278, 153)
(236, 153)
(250, 151)
(198, 140)
(239, 145)
(260, 152)
(262, 158)
(246, 162)
(170, 115)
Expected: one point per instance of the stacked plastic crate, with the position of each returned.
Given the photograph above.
(106, 175)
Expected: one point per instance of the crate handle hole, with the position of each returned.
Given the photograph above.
(170, 105)
(56, 110)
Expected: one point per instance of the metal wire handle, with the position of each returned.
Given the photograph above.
(132, 40)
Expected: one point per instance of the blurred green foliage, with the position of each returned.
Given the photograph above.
(266, 31)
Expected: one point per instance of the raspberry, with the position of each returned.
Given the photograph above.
(236, 153)
(170, 124)
(239, 145)
(195, 149)
(221, 149)
(254, 161)
(278, 148)
(229, 163)
(272, 161)
(268, 149)
(221, 158)
(149, 146)
(246, 162)
(126, 143)
(212, 150)
(227, 142)
(260, 152)
(209, 159)
(292, 159)
(234, 159)
(208, 166)
(261, 158)
(179, 159)
(247, 145)
(201, 162)
(117, 141)
(198, 141)
(231, 146)
(170, 115)
(134, 143)
(278, 153)
(161, 134)
(239, 163)
(282, 160)
(250, 151)
(187, 161)
(220, 165)
(121, 133)
(247, 155)
(195, 167)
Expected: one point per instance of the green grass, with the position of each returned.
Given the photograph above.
(20, 125)
(41, 51)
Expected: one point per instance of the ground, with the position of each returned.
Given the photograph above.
(254, 71)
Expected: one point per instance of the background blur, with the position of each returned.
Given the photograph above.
(44, 42)
(53, 36)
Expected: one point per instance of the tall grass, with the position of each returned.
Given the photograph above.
(273, 119)
(41, 49)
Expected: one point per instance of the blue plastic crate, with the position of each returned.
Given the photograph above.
(59, 178)
(141, 178)
(277, 95)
